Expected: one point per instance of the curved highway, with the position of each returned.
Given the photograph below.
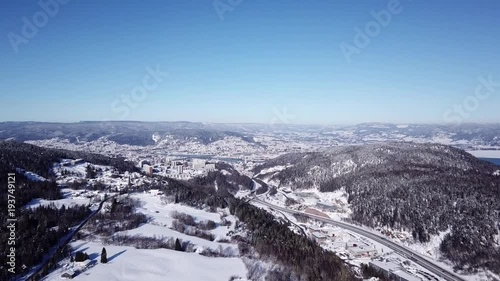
(403, 251)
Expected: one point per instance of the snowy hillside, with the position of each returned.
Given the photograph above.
(421, 189)
(128, 263)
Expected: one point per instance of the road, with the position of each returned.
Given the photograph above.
(403, 251)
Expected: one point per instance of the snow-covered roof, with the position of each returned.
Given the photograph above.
(319, 235)
(395, 269)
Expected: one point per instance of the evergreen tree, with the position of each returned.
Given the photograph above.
(104, 256)
(113, 205)
(178, 246)
(91, 173)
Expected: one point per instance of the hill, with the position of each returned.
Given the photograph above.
(422, 188)
(121, 132)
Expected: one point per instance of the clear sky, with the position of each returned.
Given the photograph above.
(250, 61)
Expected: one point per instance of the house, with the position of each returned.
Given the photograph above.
(68, 275)
(363, 252)
(77, 162)
(360, 250)
(84, 264)
(66, 162)
(154, 192)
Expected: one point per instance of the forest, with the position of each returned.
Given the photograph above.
(424, 189)
(39, 229)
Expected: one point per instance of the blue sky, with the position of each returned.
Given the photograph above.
(90, 60)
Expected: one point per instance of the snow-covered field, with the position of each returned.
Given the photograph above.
(30, 175)
(67, 202)
(161, 221)
(127, 263)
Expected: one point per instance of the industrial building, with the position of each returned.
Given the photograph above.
(319, 237)
(393, 271)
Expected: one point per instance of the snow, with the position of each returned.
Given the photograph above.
(161, 221)
(156, 137)
(70, 199)
(429, 249)
(155, 231)
(128, 263)
(30, 175)
(68, 202)
(160, 212)
(274, 169)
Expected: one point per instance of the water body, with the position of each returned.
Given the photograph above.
(492, 160)
(207, 157)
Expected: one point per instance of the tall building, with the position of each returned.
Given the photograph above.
(180, 169)
(147, 169)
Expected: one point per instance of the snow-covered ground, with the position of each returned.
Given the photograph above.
(127, 263)
(30, 175)
(161, 221)
(106, 175)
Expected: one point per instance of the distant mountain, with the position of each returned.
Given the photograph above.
(423, 188)
(465, 136)
(121, 132)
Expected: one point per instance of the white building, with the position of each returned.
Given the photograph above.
(199, 164)
(210, 167)
(319, 237)
(147, 169)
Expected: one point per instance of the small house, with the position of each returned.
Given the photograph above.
(68, 275)
(319, 237)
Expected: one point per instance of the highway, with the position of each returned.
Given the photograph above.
(401, 250)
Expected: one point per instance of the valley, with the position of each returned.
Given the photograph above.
(326, 194)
